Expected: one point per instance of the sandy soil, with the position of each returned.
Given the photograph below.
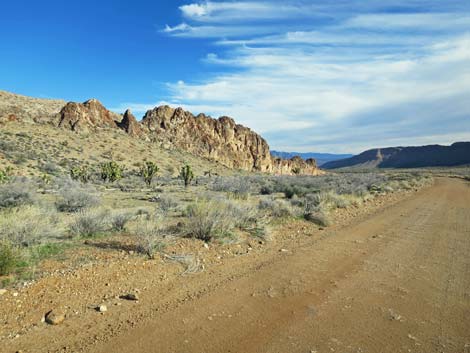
(393, 280)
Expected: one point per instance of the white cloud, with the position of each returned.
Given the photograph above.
(339, 76)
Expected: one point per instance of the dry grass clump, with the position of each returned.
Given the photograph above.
(276, 208)
(208, 219)
(149, 233)
(28, 225)
(120, 219)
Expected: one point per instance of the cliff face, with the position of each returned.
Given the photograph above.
(233, 145)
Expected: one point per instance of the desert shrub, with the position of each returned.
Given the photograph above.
(119, 220)
(88, 223)
(266, 190)
(167, 202)
(74, 197)
(208, 219)
(276, 208)
(16, 193)
(149, 233)
(28, 225)
(238, 187)
(10, 256)
(50, 168)
(320, 218)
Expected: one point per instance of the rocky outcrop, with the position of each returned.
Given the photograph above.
(130, 125)
(222, 140)
(90, 115)
(295, 165)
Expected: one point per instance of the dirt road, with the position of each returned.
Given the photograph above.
(396, 282)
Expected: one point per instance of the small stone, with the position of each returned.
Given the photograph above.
(206, 245)
(3, 291)
(130, 296)
(283, 250)
(102, 308)
(55, 317)
(15, 294)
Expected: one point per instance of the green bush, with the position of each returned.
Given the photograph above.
(10, 256)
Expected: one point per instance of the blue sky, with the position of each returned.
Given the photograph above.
(329, 76)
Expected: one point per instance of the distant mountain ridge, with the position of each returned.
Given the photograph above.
(321, 158)
(407, 157)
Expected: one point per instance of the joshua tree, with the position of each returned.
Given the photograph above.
(148, 172)
(80, 173)
(111, 171)
(186, 174)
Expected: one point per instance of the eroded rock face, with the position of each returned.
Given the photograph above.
(295, 165)
(87, 116)
(222, 140)
(130, 125)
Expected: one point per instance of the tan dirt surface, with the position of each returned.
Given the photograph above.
(395, 280)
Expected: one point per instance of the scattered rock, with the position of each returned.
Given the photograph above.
(130, 296)
(102, 308)
(55, 317)
(206, 245)
(3, 291)
(283, 250)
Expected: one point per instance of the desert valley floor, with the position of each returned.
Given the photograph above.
(393, 279)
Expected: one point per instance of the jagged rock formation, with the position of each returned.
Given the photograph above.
(130, 125)
(87, 116)
(295, 165)
(221, 140)
(233, 145)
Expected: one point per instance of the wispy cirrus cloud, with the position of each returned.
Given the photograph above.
(340, 76)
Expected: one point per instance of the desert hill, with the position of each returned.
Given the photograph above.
(408, 157)
(321, 158)
(220, 141)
